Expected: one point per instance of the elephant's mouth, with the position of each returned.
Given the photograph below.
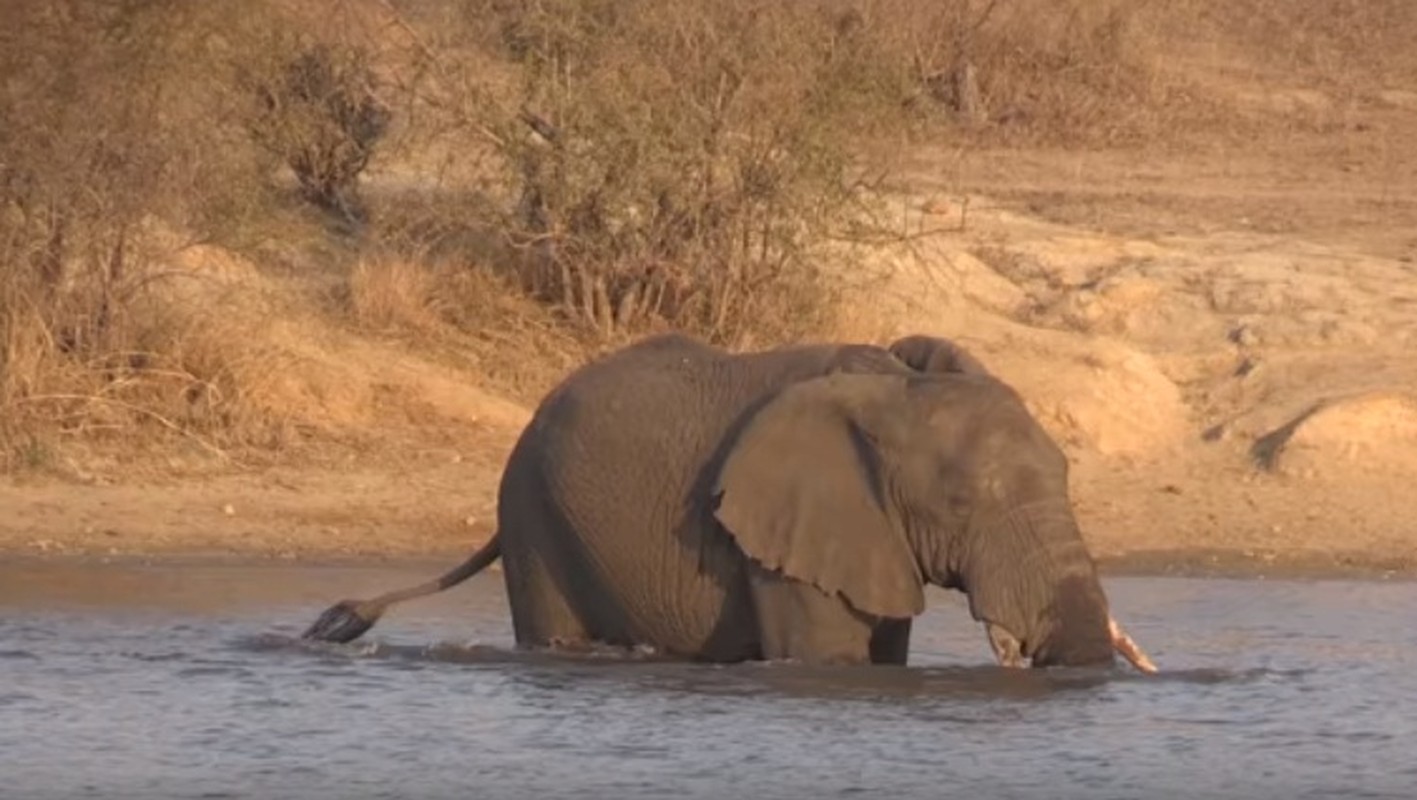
(1010, 651)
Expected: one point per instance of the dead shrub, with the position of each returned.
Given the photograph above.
(676, 164)
(112, 157)
(316, 110)
(626, 166)
(1069, 71)
(682, 164)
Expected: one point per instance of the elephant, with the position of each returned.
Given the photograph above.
(933, 354)
(784, 504)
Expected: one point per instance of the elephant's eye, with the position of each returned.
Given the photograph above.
(959, 503)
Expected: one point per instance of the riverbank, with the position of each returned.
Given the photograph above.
(1232, 565)
(431, 517)
(1232, 402)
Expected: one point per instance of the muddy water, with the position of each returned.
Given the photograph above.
(166, 682)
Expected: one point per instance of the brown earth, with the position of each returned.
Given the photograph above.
(1222, 339)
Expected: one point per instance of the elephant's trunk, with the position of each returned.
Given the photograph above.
(1008, 650)
(1032, 582)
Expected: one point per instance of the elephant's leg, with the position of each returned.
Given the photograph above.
(798, 621)
(890, 641)
(542, 614)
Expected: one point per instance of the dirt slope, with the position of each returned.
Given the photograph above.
(1228, 399)
(1239, 391)
(1221, 338)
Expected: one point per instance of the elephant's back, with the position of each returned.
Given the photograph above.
(647, 421)
(617, 451)
(644, 409)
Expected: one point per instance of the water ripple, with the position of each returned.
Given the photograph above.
(1261, 695)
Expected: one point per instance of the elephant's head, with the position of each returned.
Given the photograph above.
(871, 486)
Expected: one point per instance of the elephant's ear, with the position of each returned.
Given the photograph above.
(801, 492)
(934, 354)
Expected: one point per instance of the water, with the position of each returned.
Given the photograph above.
(168, 682)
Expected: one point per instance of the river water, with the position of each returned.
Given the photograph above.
(188, 681)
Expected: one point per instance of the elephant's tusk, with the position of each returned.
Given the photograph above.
(1128, 648)
(1007, 649)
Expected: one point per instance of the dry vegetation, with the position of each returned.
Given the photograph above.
(627, 166)
(517, 183)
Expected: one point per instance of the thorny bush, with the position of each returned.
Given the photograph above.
(678, 165)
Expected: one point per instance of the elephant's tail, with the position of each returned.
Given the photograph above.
(347, 620)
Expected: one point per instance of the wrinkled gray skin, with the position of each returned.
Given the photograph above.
(933, 354)
(783, 504)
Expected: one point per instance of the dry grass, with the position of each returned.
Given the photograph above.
(468, 315)
(704, 152)
(1325, 43)
(393, 294)
(171, 371)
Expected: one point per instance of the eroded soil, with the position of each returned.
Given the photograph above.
(1222, 341)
